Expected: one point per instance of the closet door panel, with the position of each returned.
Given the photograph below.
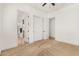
(38, 35)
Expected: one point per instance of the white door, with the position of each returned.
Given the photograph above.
(38, 29)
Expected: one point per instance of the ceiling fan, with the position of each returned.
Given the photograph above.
(53, 4)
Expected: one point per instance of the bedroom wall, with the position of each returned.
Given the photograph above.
(9, 27)
(1, 24)
(67, 24)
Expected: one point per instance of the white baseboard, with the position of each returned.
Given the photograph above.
(69, 42)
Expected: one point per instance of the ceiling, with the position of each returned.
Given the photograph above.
(48, 7)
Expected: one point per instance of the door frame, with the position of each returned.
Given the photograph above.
(51, 19)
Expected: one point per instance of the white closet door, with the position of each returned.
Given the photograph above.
(38, 31)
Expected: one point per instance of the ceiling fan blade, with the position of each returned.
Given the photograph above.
(53, 4)
(44, 4)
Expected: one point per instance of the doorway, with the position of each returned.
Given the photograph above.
(52, 28)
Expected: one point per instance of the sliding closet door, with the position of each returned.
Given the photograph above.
(37, 28)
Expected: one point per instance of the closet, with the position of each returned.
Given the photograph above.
(26, 23)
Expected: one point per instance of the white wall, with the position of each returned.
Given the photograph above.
(10, 23)
(1, 24)
(67, 24)
(9, 27)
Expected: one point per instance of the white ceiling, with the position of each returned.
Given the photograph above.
(48, 7)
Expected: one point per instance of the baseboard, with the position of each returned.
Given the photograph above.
(68, 42)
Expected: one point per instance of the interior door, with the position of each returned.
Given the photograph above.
(38, 29)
